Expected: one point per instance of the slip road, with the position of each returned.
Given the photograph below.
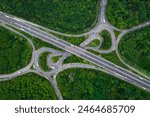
(78, 51)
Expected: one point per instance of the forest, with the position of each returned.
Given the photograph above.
(71, 16)
(135, 49)
(27, 87)
(15, 51)
(127, 13)
(78, 84)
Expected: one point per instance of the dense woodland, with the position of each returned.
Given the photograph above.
(72, 16)
(128, 13)
(135, 49)
(29, 86)
(91, 84)
(15, 51)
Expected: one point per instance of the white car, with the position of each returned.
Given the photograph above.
(22, 29)
(53, 67)
(7, 16)
(72, 45)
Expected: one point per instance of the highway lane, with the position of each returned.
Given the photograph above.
(116, 72)
(120, 72)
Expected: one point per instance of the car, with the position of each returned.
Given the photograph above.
(144, 88)
(7, 16)
(53, 67)
(72, 45)
(19, 72)
(22, 29)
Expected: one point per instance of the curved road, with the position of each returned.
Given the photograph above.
(98, 61)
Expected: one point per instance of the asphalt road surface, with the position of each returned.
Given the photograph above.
(78, 51)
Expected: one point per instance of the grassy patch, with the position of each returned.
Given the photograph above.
(43, 61)
(94, 43)
(127, 13)
(15, 51)
(74, 40)
(56, 58)
(116, 33)
(113, 58)
(75, 59)
(91, 84)
(38, 43)
(107, 40)
(27, 87)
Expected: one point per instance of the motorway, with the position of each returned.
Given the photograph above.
(78, 51)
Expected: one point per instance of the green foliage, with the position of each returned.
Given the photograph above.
(74, 40)
(72, 59)
(94, 43)
(15, 51)
(95, 85)
(75, 59)
(56, 58)
(107, 40)
(39, 43)
(113, 58)
(116, 33)
(127, 13)
(43, 61)
(72, 16)
(27, 87)
(135, 49)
